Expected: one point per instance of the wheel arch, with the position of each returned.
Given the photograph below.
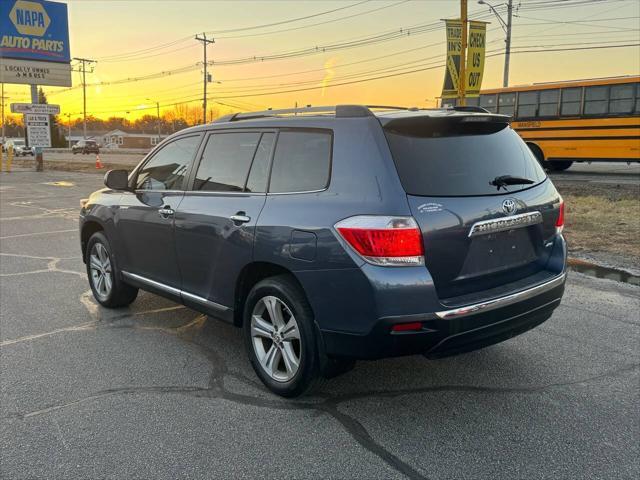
(250, 275)
(89, 227)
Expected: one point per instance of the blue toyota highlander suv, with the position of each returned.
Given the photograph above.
(330, 234)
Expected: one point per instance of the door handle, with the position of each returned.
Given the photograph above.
(166, 212)
(240, 217)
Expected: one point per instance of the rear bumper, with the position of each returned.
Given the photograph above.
(456, 330)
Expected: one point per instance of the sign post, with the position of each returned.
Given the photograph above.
(34, 50)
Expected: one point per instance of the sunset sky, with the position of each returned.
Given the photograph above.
(124, 37)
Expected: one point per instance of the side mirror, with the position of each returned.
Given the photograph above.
(117, 179)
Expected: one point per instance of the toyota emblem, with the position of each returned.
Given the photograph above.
(509, 206)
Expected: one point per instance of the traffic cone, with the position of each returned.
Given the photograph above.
(98, 162)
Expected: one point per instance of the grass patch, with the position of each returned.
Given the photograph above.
(603, 223)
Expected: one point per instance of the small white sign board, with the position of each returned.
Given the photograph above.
(42, 108)
(33, 72)
(38, 130)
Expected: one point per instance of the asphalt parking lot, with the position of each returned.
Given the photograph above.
(159, 391)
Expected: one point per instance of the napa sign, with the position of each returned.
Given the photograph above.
(34, 30)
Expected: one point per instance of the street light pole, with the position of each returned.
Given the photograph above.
(506, 26)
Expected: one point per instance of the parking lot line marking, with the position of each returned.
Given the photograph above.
(38, 233)
(75, 328)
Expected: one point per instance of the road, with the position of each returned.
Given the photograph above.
(158, 391)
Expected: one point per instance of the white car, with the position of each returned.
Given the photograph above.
(20, 148)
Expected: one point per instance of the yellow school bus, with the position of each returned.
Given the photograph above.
(595, 120)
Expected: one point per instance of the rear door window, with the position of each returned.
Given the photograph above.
(167, 168)
(225, 162)
(446, 157)
(301, 162)
(259, 174)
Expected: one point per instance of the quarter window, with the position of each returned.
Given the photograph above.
(225, 162)
(167, 168)
(571, 99)
(596, 100)
(621, 98)
(301, 162)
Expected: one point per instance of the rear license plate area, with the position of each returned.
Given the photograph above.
(498, 251)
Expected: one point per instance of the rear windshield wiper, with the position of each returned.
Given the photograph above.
(505, 180)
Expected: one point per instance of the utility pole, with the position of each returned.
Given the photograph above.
(506, 26)
(507, 52)
(3, 122)
(205, 41)
(462, 82)
(82, 68)
(157, 116)
(69, 127)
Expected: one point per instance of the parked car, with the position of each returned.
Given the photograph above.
(20, 148)
(337, 234)
(85, 146)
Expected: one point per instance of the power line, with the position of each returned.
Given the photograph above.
(273, 32)
(283, 22)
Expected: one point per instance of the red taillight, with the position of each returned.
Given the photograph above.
(560, 220)
(407, 327)
(384, 240)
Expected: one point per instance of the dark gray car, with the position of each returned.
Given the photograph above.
(335, 234)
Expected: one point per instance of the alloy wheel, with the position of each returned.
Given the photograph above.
(276, 338)
(100, 269)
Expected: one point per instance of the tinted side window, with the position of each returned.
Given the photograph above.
(257, 181)
(596, 100)
(571, 99)
(225, 162)
(167, 168)
(301, 162)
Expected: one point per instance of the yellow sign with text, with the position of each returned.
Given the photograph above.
(454, 49)
(475, 57)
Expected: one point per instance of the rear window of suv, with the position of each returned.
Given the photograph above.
(444, 157)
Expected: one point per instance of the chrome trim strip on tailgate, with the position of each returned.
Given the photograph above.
(505, 223)
(501, 301)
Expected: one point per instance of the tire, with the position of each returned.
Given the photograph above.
(274, 346)
(559, 165)
(112, 292)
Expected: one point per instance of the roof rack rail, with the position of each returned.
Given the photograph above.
(340, 111)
